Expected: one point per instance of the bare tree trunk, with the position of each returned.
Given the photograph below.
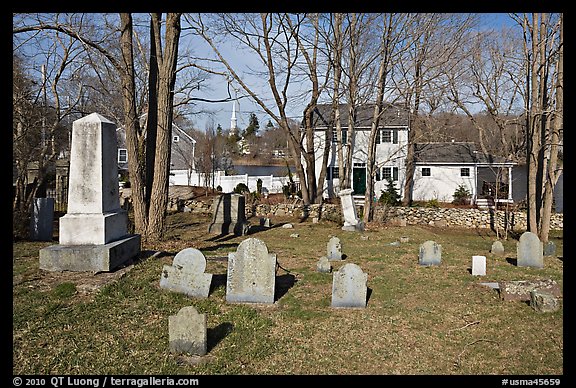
(167, 77)
(135, 167)
(552, 174)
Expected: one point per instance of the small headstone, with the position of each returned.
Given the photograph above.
(395, 243)
(295, 235)
(251, 276)
(497, 248)
(404, 239)
(42, 220)
(519, 290)
(323, 265)
(314, 220)
(187, 332)
(186, 275)
(334, 249)
(288, 226)
(229, 215)
(351, 221)
(430, 253)
(349, 287)
(550, 249)
(543, 301)
(529, 251)
(479, 265)
(265, 222)
(364, 238)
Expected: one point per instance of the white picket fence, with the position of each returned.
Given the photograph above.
(271, 184)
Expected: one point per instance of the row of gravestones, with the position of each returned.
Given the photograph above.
(251, 279)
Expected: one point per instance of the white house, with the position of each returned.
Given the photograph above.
(182, 153)
(391, 147)
(440, 168)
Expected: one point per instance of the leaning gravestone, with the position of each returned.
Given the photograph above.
(334, 249)
(497, 248)
(351, 221)
(41, 222)
(186, 274)
(479, 265)
(187, 332)
(251, 276)
(543, 301)
(93, 234)
(229, 215)
(430, 253)
(529, 251)
(349, 287)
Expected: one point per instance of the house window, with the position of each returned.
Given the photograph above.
(465, 171)
(344, 136)
(386, 136)
(425, 171)
(390, 173)
(122, 155)
(175, 138)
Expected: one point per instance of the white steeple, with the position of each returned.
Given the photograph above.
(233, 119)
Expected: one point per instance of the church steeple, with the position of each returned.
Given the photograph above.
(233, 119)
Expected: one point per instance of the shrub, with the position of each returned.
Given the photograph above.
(241, 188)
(461, 196)
(433, 203)
(390, 196)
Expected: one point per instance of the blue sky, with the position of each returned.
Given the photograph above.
(222, 111)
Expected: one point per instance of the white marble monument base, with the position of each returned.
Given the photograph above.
(93, 258)
(92, 228)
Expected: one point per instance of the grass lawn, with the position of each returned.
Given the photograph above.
(418, 320)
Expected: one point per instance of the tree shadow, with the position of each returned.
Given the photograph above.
(220, 246)
(283, 284)
(217, 334)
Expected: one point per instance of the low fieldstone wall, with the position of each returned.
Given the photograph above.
(397, 215)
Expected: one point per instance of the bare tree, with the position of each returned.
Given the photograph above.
(544, 99)
(277, 42)
(149, 216)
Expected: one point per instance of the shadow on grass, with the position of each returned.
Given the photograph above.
(217, 334)
(218, 280)
(512, 261)
(283, 284)
(368, 294)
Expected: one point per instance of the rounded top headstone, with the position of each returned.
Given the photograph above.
(191, 260)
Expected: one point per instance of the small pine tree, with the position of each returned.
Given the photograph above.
(390, 196)
(461, 196)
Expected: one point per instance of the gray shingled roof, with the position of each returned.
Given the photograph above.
(453, 152)
(395, 115)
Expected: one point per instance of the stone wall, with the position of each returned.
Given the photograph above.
(441, 217)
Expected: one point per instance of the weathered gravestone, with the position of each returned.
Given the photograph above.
(349, 287)
(229, 215)
(93, 234)
(519, 290)
(479, 265)
(334, 249)
(186, 274)
(550, 249)
(497, 248)
(430, 253)
(323, 265)
(41, 222)
(187, 332)
(251, 276)
(351, 221)
(529, 251)
(543, 302)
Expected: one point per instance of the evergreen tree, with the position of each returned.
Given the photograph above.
(390, 196)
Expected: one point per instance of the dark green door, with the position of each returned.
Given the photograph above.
(359, 180)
